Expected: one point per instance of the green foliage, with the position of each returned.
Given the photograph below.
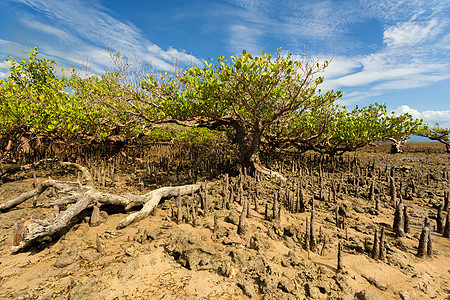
(437, 133)
(254, 90)
(187, 135)
(161, 134)
(33, 97)
(197, 136)
(258, 97)
(35, 101)
(102, 98)
(335, 130)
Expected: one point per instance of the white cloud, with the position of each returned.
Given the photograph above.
(411, 55)
(5, 64)
(60, 34)
(401, 10)
(411, 33)
(340, 66)
(430, 117)
(415, 81)
(370, 76)
(83, 23)
(244, 37)
(13, 47)
(167, 59)
(398, 65)
(406, 109)
(355, 97)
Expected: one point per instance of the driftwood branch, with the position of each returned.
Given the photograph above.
(84, 172)
(152, 199)
(80, 197)
(59, 185)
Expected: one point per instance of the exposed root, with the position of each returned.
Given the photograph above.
(40, 229)
(84, 172)
(152, 199)
(59, 185)
(260, 168)
(79, 197)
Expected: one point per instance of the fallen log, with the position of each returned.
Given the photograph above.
(59, 185)
(79, 197)
(152, 199)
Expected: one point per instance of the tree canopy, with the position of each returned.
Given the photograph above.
(249, 94)
(437, 133)
(335, 130)
(255, 99)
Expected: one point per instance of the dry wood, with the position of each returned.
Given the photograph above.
(55, 212)
(382, 252)
(377, 203)
(204, 199)
(64, 187)
(446, 233)
(85, 196)
(312, 235)
(423, 242)
(439, 221)
(99, 245)
(179, 209)
(242, 226)
(216, 223)
(95, 216)
(375, 248)
(372, 191)
(26, 167)
(340, 266)
(446, 199)
(406, 227)
(307, 238)
(19, 232)
(275, 207)
(263, 170)
(398, 225)
(34, 186)
(429, 245)
(84, 172)
(392, 189)
(152, 199)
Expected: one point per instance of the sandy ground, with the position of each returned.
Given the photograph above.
(229, 266)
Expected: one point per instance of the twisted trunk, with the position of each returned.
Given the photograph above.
(249, 142)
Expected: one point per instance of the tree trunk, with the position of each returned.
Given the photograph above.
(249, 141)
(396, 147)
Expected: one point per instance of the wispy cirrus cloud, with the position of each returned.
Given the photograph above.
(51, 30)
(355, 97)
(407, 51)
(87, 27)
(411, 33)
(244, 38)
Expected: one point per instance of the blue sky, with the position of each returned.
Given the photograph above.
(393, 51)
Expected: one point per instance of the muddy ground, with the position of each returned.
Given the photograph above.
(156, 258)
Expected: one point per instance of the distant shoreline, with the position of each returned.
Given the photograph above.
(420, 139)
